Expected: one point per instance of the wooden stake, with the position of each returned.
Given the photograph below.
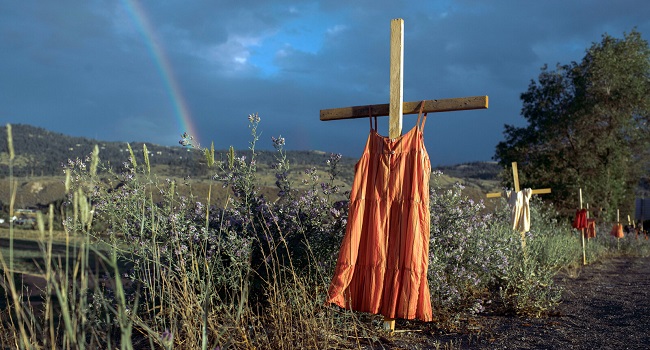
(588, 237)
(396, 98)
(618, 222)
(630, 226)
(515, 175)
(582, 235)
(396, 79)
(389, 324)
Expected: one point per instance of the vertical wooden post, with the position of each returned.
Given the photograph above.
(618, 223)
(582, 236)
(515, 176)
(630, 226)
(396, 105)
(588, 237)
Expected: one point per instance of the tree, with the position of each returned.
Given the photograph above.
(588, 127)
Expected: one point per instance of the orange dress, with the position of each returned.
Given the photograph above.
(384, 256)
(617, 231)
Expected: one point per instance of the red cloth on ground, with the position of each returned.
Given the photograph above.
(580, 222)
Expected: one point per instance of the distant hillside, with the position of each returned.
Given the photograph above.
(40, 154)
(473, 170)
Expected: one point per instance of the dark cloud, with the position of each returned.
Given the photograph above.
(89, 69)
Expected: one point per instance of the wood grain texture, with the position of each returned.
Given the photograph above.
(382, 110)
(396, 101)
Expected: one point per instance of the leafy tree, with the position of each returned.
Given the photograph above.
(588, 127)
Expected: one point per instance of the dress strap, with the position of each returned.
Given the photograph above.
(421, 117)
(370, 118)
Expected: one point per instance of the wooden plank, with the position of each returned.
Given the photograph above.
(539, 191)
(382, 110)
(396, 101)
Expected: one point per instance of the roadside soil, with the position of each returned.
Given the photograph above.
(605, 305)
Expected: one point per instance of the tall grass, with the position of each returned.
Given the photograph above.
(146, 267)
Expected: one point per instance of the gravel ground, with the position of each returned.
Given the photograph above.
(606, 306)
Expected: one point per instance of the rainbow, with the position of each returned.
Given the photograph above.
(181, 110)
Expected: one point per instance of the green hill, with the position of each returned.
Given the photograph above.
(40, 155)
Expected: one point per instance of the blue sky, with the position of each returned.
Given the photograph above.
(150, 70)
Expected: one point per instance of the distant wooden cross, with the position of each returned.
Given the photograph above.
(515, 176)
(397, 107)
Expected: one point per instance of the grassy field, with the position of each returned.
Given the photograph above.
(142, 262)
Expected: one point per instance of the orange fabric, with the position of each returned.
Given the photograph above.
(617, 231)
(384, 256)
(591, 228)
(580, 222)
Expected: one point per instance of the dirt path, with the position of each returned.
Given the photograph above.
(606, 306)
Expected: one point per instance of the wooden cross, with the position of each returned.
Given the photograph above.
(515, 176)
(397, 107)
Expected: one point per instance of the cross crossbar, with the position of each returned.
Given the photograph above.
(515, 176)
(382, 110)
(540, 191)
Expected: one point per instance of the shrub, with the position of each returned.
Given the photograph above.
(476, 260)
(199, 271)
